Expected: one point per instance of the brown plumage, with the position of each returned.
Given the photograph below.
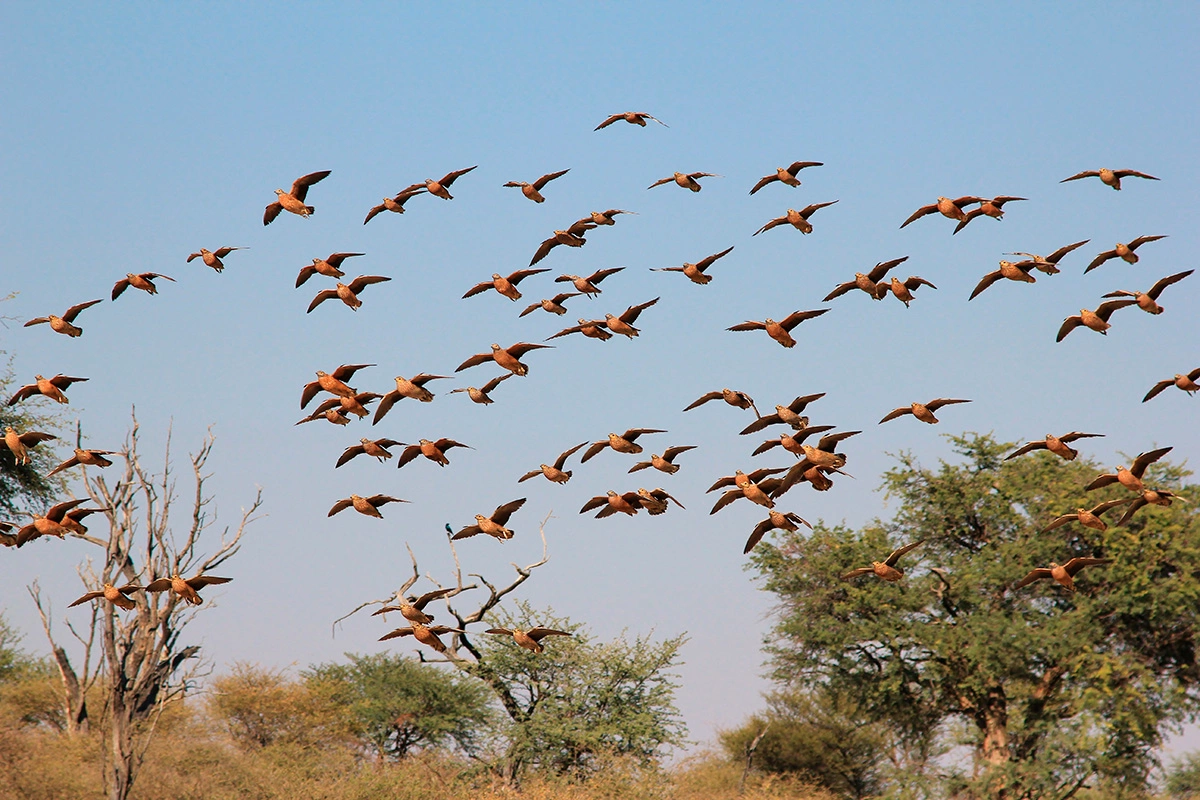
(554, 472)
(329, 266)
(623, 443)
(48, 524)
(786, 521)
(293, 201)
(797, 219)
(393, 204)
(425, 635)
(1055, 444)
(624, 323)
(779, 331)
(793, 442)
(632, 117)
(696, 272)
(1186, 383)
(756, 487)
(413, 388)
(377, 448)
(665, 462)
(686, 180)
(47, 387)
(505, 286)
(786, 175)
(439, 188)
(186, 589)
(1009, 270)
(529, 639)
(903, 290)
(435, 451)
(588, 285)
(480, 395)
(89, 458)
(1096, 320)
(993, 208)
(364, 505)
(63, 324)
(332, 382)
(413, 607)
(591, 328)
(337, 407)
(212, 258)
(1048, 264)
(19, 443)
(534, 190)
(656, 501)
(1123, 252)
(789, 414)
(1063, 574)
(1089, 518)
(612, 503)
(885, 569)
(1157, 497)
(605, 217)
(1131, 477)
(140, 280)
(1110, 177)
(495, 525)
(731, 396)
(117, 596)
(347, 292)
(922, 411)
(506, 357)
(1147, 301)
(553, 305)
(571, 237)
(867, 282)
(951, 209)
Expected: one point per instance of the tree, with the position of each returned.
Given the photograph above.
(397, 705)
(1183, 779)
(572, 705)
(1054, 690)
(817, 735)
(263, 707)
(24, 486)
(140, 657)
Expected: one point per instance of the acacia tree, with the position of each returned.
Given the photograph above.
(24, 486)
(137, 654)
(1053, 691)
(575, 703)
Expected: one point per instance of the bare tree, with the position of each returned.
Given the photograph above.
(140, 658)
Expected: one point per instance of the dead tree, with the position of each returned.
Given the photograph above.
(140, 660)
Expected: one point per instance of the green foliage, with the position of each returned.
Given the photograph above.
(261, 707)
(1054, 689)
(581, 701)
(818, 736)
(25, 486)
(1183, 779)
(397, 705)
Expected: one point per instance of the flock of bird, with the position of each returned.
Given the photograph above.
(813, 463)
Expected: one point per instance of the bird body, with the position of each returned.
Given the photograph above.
(632, 117)
(347, 292)
(507, 357)
(885, 569)
(439, 188)
(1055, 444)
(495, 525)
(1063, 574)
(143, 281)
(1185, 382)
(212, 258)
(922, 411)
(533, 190)
(63, 324)
(687, 180)
(1096, 320)
(1130, 477)
(1110, 177)
(797, 219)
(330, 267)
(19, 443)
(47, 387)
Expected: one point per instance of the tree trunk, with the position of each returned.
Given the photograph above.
(73, 696)
(123, 759)
(994, 722)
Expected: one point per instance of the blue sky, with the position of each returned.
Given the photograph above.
(136, 134)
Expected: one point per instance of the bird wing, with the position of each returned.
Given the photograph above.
(529, 310)
(543, 250)
(604, 124)
(36, 321)
(772, 224)
(1100, 259)
(70, 462)
(1138, 467)
(301, 184)
(528, 475)
(322, 296)
(1057, 255)
(808, 210)
(914, 281)
(1132, 173)
(350, 452)
(378, 500)
(305, 274)
(479, 288)
(883, 268)
(828, 441)
(1141, 240)
(934, 405)
(1111, 504)
(671, 452)
(601, 274)
(1134, 507)
(726, 499)
(521, 348)
(704, 399)
(1074, 435)
(978, 212)
(87, 597)
(475, 360)
(1035, 575)
(272, 211)
(796, 317)
(467, 533)
(1105, 310)
(764, 181)
(542, 181)
(595, 502)
(749, 325)
(345, 372)
(987, 281)
(1060, 521)
(363, 281)
(705, 263)
(900, 551)
(73, 311)
(561, 461)
(159, 585)
(1158, 388)
(31, 438)
(855, 573)
(375, 210)
(1100, 482)
(920, 212)
(502, 513)
(540, 633)
(1069, 324)
(1076, 564)
(502, 631)
(406, 631)
(1027, 448)
(494, 382)
(340, 505)
(899, 412)
(200, 581)
(1087, 173)
(634, 433)
(594, 449)
(842, 288)
(119, 288)
(426, 598)
(522, 274)
(1157, 289)
(661, 182)
(451, 177)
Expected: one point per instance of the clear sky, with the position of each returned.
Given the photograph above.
(132, 135)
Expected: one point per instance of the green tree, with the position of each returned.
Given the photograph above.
(397, 705)
(1183, 779)
(263, 707)
(1052, 690)
(24, 486)
(581, 700)
(818, 736)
